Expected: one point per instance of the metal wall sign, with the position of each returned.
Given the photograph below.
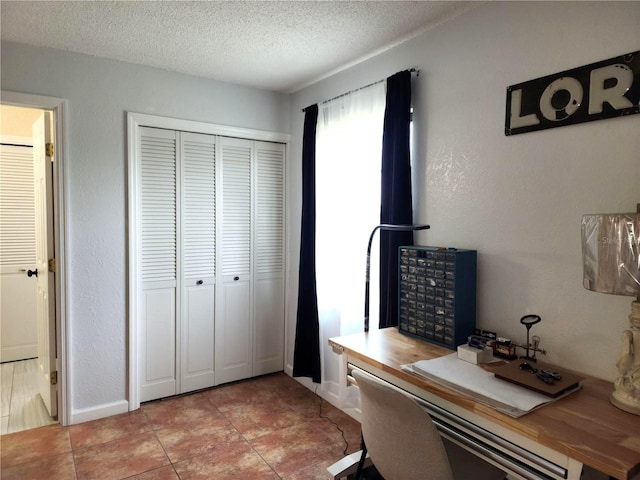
(605, 89)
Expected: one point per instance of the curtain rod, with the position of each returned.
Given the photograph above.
(411, 70)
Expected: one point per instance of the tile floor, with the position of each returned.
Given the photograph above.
(270, 427)
(21, 406)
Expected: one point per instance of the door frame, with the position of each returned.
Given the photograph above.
(58, 107)
(134, 122)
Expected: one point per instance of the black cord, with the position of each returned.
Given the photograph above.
(346, 448)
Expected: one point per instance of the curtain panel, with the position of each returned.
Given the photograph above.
(348, 155)
(306, 355)
(396, 198)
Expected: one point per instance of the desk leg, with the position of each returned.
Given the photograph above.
(574, 470)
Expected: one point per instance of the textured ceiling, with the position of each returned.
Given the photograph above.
(274, 45)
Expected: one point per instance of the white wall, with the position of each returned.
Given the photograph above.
(517, 200)
(99, 94)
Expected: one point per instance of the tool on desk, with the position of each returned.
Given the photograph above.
(547, 376)
(546, 379)
(529, 321)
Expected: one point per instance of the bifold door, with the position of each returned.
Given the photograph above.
(209, 258)
(177, 261)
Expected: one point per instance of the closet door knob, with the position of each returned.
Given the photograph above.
(235, 279)
(32, 273)
(199, 282)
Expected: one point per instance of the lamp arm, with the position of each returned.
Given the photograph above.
(387, 227)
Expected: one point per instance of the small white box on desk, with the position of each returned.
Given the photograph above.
(475, 355)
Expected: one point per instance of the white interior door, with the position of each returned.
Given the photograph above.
(45, 304)
(158, 248)
(198, 261)
(268, 351)
(234, 333)
(18, 326)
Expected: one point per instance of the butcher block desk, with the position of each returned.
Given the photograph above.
(552, 442)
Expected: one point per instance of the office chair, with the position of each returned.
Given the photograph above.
(403, 443)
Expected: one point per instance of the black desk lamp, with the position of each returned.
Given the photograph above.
(392, 228)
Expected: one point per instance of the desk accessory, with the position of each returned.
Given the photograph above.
(437, 291)
(529, 321)
(611, 261)
(475, 355)
(542, 378)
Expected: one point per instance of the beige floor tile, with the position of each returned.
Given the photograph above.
(6, 384)
(21, 404)
(27, 413)
(25, 380)
(4, 425)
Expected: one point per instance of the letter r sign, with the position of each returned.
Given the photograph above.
(610, 88)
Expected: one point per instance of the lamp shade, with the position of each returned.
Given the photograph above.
(611, 253)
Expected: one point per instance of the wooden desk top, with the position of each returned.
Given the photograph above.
(583, 425)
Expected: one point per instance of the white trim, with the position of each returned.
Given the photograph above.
(144, 120)
(101, 411)
(61, 233)
(132, 189)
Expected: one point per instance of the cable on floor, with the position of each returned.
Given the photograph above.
(346, 448)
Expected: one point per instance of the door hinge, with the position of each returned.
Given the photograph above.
(52, 265)
(49, 149)
(54, 377)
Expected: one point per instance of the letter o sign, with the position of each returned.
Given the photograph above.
(561, 98)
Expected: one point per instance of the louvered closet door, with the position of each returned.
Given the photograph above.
(18, 325)
(269, 257)
(157, 262)
(198, 220)
(234, 337)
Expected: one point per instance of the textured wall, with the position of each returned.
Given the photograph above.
(99, 94)
(517, 200)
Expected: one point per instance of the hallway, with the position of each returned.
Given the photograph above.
(20, 402)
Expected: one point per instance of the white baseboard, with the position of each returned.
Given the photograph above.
(329, 391)
(101, 411)
(288, 369)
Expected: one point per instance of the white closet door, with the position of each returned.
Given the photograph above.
(18, 324)
(158, 271)
(234, 337)
(198, 153)
(269, 258)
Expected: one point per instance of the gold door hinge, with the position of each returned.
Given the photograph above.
(49, 149)
(52, 265)
(54, 377)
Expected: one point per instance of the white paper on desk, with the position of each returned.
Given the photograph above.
(479, 384)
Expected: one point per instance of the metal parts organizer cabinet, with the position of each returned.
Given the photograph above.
(437, 294)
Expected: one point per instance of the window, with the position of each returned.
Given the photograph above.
(348, 166)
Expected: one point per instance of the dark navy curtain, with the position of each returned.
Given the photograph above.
(396, 203)
(306, 355)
